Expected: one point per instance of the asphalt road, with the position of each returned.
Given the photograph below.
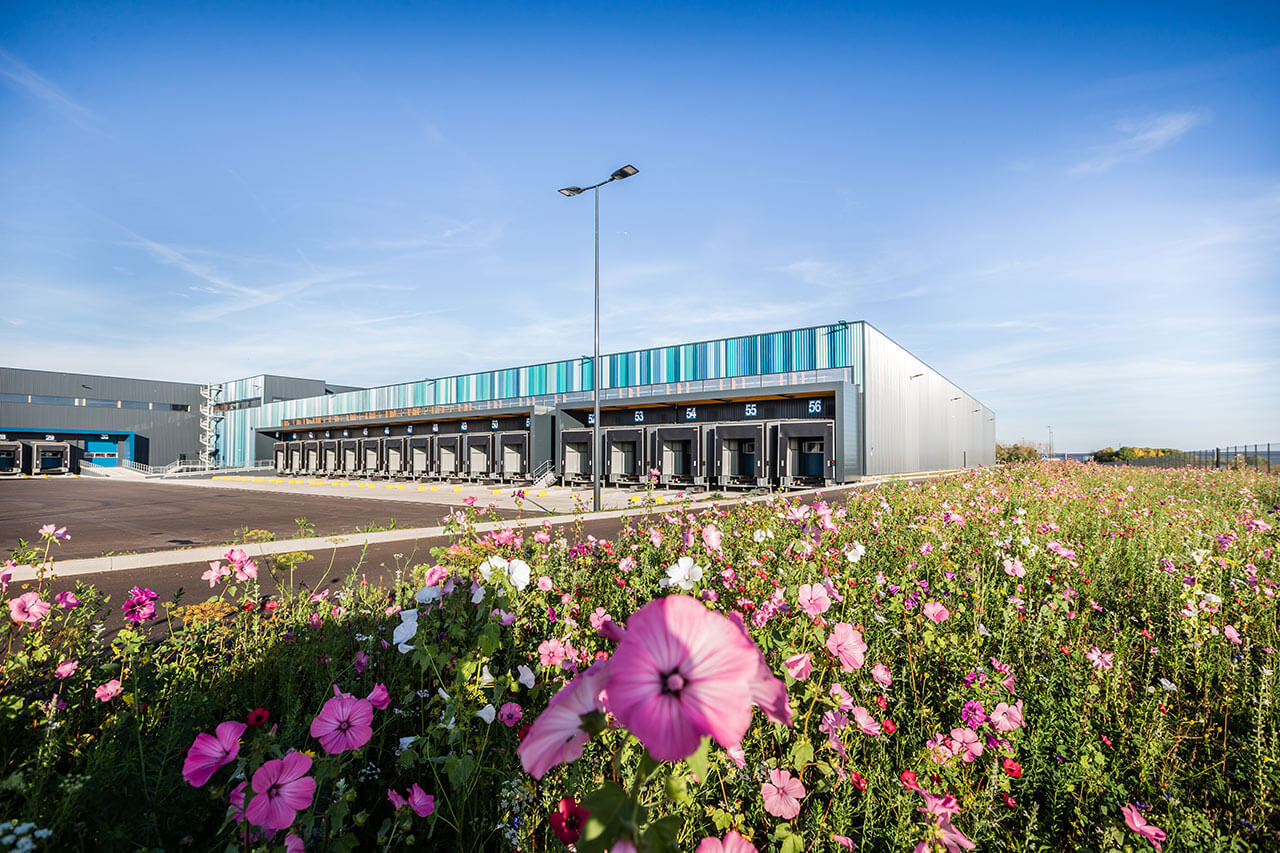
(115, 517)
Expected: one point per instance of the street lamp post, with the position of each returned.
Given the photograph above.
(625, 172)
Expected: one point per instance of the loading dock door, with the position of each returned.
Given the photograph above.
(575, 455)
(329, 453)
(295, 457)
(448, 455)
(806, 452)
(625, 459)
(740, 454)
(420, 456)
(351, 456)
(101, 452)
(479, 452)
(280, 457)
(677, 453)
(513, 454)
(10, 457)
(311, 455)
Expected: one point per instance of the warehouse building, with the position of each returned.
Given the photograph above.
(812, 406)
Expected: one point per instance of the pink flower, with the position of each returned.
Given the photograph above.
(941, 832)
(1135, 821)
(397, 802)
(967, 742)
(935, 611)
(800, 666)
(46, 530)
(866, 722)
(66, 668)
(681, 672)
(379, 697)
(67, 600)
(421, 802)
(926, 548)
(842, 697)
(557, 736)
(1013, 568)
(343, 723)
(813, 599)
(282, 788)
(551, 652)
(880, 675)
(542, 537)
(1099, 659)
(108, 691)
(732, 843)
(847, 645)
(782, 794)
(209, 752)
(626, 564)
(545, 584)
(1006, 717)
(293, 844)
(843, 840)
(711, 537)
(28, 608)
(361, 661)
(510, 714)
(1232, 634)
(216, 572)
(246, 570)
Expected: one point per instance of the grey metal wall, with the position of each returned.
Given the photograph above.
(915, 418)
(162, 433)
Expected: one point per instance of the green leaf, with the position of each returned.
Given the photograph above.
(677, 788)
(801, 754)
(698, 761)
(792, 844)
(609, 806)
(662, 834)
(723, 820)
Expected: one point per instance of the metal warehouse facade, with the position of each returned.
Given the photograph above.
(819, 405)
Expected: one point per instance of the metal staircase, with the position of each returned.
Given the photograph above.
(210, 420)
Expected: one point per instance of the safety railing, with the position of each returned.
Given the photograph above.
(1258, 457)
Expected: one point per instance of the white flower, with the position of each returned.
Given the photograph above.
(683, 573)
(487, 567)
(440, 692)
(526, 676)
(1168, 685)
(405, 743)
(982, 629)
(428, 594)
(761, 535)
(518, 571)
(487, 713)
(486, 677)
(855, 552)
(406, 630)
(477, 594)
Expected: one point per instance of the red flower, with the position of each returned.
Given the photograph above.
(859, 782)
(1013, 768)
(272, 605)
(889, 726)
(602, 655)
(568, 820)
(882, 702)
(258, 716)
(908, 778)
(1009, 801)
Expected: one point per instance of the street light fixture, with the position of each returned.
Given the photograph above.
(624, 172)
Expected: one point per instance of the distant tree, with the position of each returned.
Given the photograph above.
(1129, 454)
(1009, 454)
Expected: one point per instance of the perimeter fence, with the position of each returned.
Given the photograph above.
(1259, 457)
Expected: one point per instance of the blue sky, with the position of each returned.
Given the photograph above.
(1073, 213)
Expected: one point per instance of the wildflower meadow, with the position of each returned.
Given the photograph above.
(1035, 657)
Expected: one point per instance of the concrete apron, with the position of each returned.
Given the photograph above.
(206, 554)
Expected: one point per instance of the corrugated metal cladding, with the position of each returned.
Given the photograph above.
(817, 348)
(163, 416)
(916, 419)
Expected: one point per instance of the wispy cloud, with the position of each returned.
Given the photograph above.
(21, 78)
(1142, 137)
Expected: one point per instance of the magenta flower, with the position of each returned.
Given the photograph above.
(1099, 659)
(28, 608)
(967, 742)
(66, 668)
(557, 736)
(1232, 634)
(140, 605)
(209, 752)
(682, 672)
(110, 690)
(847, 645)
(936, 611)
(800, 666)
(379, 697)
(782, 794)
(67, 600)
(1135, 821)
(397, 802)
(880, 675)
(551, 652)
(510, 714)
(1006, 717)
(866, 722)
(282, 788)
(941, 833)
(732, 843)
(293, 844)
(421, 802)
(342, 724)
(361, 661)
(813, 599)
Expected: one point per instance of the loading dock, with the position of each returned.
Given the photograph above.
(330, 465)
(311, 457)
(575, 456)
(678, 454)
(513, 456)
(370, 456)
(805, 453)
(420, 457)
(349, 457)
(11, 458)
(294, 457)
(625, 458)
(479, 456)
(50, 457)
(394, 459)
(280, 453)
(739, 455)
(449, 452)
